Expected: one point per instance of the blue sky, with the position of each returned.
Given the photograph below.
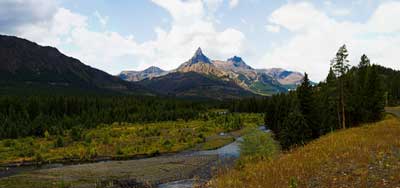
(116, 35)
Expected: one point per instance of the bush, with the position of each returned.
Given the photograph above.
(25, 150)
(38, 157)
(59, 142)
(76, 134)
(8, 143)
(258, 145)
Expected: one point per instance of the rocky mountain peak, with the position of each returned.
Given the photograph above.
(153, 69)
(199, 57)
(238, 62)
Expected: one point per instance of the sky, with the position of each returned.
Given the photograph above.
(116, 35)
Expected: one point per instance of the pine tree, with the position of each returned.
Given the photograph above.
(340, 67)
(375, 95)
(307, 106)
(295, 130)
(365, 62)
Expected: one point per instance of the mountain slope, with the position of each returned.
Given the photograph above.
(135, 76)
(24, 64)
(284, 77)
(195, 85)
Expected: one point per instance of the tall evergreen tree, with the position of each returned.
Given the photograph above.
(329, 101)
(307, 106)
(340, 66)
(375, 95)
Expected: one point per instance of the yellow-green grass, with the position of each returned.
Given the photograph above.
(215, 142)
(120, 140)
(367, 156)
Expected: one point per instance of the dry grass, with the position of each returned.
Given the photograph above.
(367, 156)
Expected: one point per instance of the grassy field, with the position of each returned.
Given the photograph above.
(367, 156)
(124, 140)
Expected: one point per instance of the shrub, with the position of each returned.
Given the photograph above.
(47, 135)
(38, 157)
(258, 145)
(25, 150)
(76, 134)
(8, 143)
(59, 142)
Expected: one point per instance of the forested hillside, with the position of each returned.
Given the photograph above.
(348, 97)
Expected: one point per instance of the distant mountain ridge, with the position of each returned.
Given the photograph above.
(235, 70)
(148, 73)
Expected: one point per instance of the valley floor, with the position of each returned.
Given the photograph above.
(125, 141)
(366, 156)
(181, 144)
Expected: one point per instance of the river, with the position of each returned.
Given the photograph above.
(226, 156)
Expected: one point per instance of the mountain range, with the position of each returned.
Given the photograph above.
(233, 70)
(28, 68)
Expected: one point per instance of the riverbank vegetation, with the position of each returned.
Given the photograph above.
(365, 156)
(126, 140)
(257, 145)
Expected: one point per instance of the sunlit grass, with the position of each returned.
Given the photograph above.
(367, 156)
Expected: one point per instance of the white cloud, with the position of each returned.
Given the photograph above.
(213, 5)
(341, 12)
(52, 31)
(385, 18)
(233, 3)
(316, 37)
(273, 28)
(14, 13)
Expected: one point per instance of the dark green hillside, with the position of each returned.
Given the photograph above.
(26, 66)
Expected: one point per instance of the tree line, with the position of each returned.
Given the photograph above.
(35, 115)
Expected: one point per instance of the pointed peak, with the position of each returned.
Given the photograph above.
(199, 52)
(238, 62)
(199, 57)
